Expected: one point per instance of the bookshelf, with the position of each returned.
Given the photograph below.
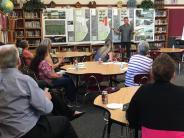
(161, 28)
(28, 26)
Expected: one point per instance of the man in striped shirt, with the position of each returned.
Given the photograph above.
(138, 64)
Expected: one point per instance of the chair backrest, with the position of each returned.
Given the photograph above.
(93, 81)
(141, 78)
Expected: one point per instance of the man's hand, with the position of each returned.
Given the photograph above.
(48, 95)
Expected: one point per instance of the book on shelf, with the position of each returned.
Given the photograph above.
(32, 24)
(19, 33)
(31, 15)
(33, 33)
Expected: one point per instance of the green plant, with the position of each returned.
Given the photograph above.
(146, 4)
(33, 5)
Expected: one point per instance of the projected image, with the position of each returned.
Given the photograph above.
(54, 27)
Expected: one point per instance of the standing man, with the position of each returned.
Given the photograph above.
(126, 31)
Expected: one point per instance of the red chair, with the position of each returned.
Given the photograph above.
(141, 78)
(154, 54)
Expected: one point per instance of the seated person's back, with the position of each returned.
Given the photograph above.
(159, 107)
(138, 64)
(26, 54)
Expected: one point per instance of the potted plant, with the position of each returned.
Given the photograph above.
(33, 5)
(146, 4)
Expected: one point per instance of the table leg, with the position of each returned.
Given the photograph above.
(110, 81)
(77, 82)
(77, 87)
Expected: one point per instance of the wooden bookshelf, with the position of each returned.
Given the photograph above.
(28, 26)
(161, 28)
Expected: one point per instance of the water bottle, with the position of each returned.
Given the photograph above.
(76, 64)
(173, 46)
(121, 66)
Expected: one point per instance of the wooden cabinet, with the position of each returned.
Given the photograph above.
(28, 26)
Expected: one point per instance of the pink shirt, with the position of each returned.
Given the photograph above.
(152, 133)
(28, 56)
(45, 71)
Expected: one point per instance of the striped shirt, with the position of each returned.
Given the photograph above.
(138, 64)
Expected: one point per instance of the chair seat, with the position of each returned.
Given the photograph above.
(152, 133)
(111, 89)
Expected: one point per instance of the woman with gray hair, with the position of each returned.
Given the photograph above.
(48, 43)
(138, 64)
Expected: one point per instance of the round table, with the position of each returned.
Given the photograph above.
(71, 54)
(171, 50)
(123, 96)
(105, 69)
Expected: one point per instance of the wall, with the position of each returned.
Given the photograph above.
(104, 1)
(176, 23)
(87, 1)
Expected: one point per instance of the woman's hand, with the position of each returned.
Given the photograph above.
(55, 75)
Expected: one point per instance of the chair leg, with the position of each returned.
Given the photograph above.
(104, 130)
(179, 67)
(109, 129)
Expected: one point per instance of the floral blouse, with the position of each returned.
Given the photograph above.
(45, 71)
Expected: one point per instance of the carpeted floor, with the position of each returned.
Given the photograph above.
(91, 124)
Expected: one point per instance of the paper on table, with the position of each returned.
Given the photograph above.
(115, 106)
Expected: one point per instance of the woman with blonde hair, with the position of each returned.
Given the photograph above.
(105, 53)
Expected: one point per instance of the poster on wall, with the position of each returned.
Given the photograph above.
(82, 24)
(94, 25)
(54, 25)
(104, 23)
(144, 25)
(70, 24)
(101, 22)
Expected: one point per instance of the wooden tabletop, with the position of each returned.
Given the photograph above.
(71, 54)
(93, 67)
(171, 50)
(124, 95)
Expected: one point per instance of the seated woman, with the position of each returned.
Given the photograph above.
(47, 43)
(105, 53)
(138, 64)
(158, 108)
(26, 54)
(45, 71)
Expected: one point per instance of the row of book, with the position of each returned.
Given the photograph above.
(32, 24)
